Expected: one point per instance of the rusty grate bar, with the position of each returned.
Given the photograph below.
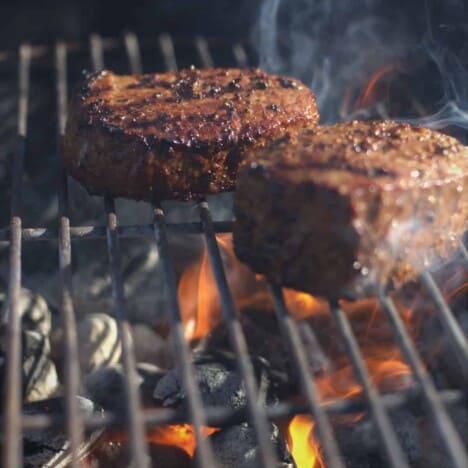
(139, 450)
(385, 431)
(447, 431)
(181, 350)
(290, 333)
(12, 447)
(451, 326)
(238, 341)
(71, 367)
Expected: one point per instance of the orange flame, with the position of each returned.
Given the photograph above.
(178, 435)
(304, 447)
(369, 94)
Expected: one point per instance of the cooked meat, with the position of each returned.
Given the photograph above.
(177, 135)
(345, 208)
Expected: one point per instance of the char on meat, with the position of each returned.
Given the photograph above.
(340, 209)
(177, 135)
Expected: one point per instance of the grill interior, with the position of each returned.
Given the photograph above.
(59, 66)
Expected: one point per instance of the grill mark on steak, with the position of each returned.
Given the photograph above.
(205, 118)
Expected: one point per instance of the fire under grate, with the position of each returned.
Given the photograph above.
(14, 422)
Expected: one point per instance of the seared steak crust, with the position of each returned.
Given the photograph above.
(180, 134)
(343, 208)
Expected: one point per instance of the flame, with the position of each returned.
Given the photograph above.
(302, 443)
(178, 435)
(369, 94)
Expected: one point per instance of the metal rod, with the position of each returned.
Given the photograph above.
(70, 344)
(240, 55)
(181, 349)
(385, 431)
(204, 52)
(167, 50)
(289, 330)
(12, 445)
(451, 326)
(222, 416)
(238, 342)
(447, 431)
(138, 446)
(133, 53)
(41, 234)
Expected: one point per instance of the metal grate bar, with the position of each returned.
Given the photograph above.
(238, 341)
(12, 446)
(386, 433)
(181, 349)
(99, 232)
(133, 53)
(290, 333)
(240, 55)
(167, 49)
(451, 326)
(447, 431)
(204, 52)
(139, 450)
(71, 367)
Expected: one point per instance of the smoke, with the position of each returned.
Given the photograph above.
(336, 47)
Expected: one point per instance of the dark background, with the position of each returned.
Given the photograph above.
(45, 21)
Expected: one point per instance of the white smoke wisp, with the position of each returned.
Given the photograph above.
(336, 47)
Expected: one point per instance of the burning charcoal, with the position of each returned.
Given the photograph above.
(106, 387)
(219, 383)
(99, 342)
(39, 375)
(151, 347)
(49, 447)
(34, 310)
(237, 446)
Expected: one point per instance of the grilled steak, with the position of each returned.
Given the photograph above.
(177, 135)
(347, 207)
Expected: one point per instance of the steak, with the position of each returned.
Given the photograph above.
(347, 208)
(177, 135)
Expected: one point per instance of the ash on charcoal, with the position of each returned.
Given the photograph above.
(50, 447)
(35, 313)
(106, 386)
(99, 342)
(39, 375)
(237, 446)
(219, 382)
(151, 347)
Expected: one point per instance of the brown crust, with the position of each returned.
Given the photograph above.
(177, 135)
(347, 207)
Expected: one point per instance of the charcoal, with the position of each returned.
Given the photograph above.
(99, 342)
(219, 382)
(39, 376)
(416, 433)
(50, 447)
(264, 341)
(35, 313)
(117, 455)
(106, 387)
(150, 346)
(237, 446)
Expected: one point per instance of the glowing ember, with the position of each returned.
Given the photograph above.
(304, 448)
(178, 435)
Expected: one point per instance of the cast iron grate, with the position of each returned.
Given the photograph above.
(14, 422)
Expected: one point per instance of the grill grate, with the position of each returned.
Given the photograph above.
(14, 422)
